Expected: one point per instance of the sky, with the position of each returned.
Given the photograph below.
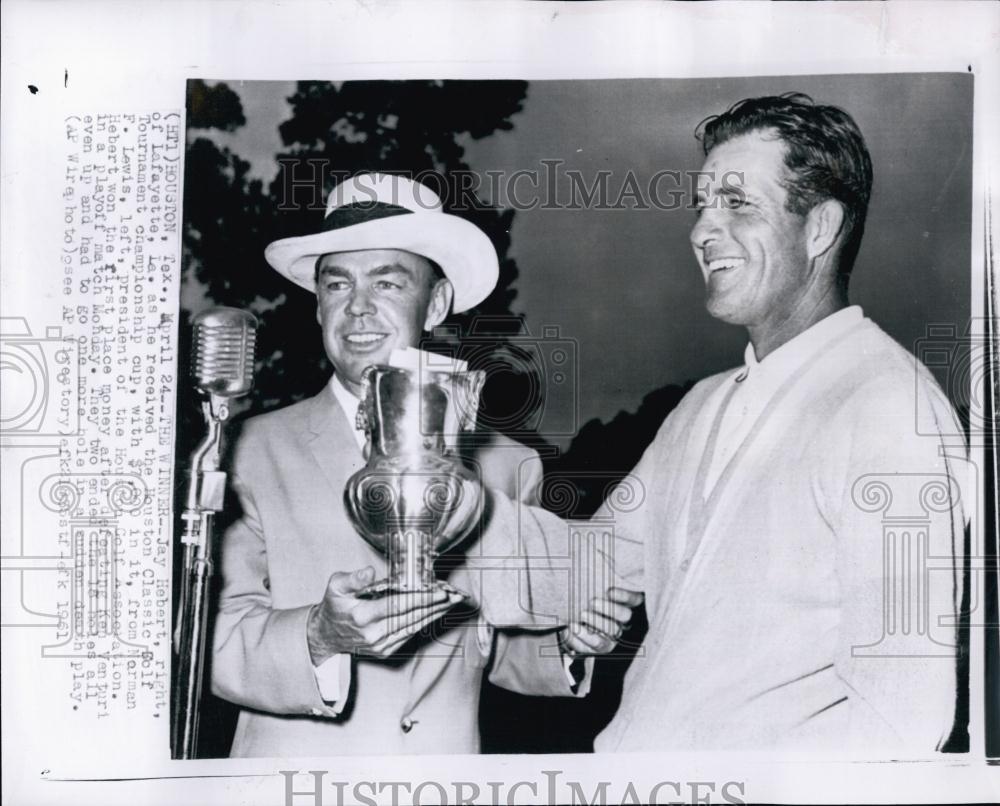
(620, 288)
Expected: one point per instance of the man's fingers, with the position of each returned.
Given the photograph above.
(618, 612)
(398, 606)
(413, 621)
(602, 624)
(346, 584)
(571, 643)
(391, 641)
(626, 597)
(586, 641)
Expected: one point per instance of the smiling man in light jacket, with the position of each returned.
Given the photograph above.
(801, 543)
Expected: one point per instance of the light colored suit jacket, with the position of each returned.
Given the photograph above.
(289, 472)
(808, 601)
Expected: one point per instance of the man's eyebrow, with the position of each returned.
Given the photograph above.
(379, 271)
(392, 268)
(336, 271)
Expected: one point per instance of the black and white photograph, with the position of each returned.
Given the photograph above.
(617, 260)
(421, 421)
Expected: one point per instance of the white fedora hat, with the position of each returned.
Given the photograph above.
(385, 211)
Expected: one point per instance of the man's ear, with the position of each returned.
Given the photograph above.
(439, 305)
(824, 224)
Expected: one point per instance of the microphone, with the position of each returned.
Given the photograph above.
(221, 368)
(223, 352)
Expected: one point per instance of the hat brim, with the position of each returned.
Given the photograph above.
(462, 250)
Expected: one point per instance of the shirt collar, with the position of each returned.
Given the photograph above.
(794, 352)
(349, 404)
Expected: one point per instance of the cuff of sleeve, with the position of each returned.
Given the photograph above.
(579, 673)
(484, 638)
(511, 575)
(297, 673)
(333, 676)
(572, 670)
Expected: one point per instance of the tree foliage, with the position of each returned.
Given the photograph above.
(213, 107)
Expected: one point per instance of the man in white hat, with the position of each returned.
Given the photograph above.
(314, 666)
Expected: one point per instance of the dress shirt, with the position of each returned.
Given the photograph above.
(349, 405)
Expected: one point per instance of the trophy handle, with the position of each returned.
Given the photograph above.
(364, 417)
(470, 385)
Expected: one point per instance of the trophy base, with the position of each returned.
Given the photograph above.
(388, 587)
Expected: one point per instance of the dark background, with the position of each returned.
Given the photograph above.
(616, 290)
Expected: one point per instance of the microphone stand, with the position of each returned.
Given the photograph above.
(206, 489)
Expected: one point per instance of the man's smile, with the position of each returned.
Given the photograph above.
(724, 264)
(367, 339)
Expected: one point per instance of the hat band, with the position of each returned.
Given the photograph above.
(348, 215)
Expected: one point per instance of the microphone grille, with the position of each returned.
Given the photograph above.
(223, 351)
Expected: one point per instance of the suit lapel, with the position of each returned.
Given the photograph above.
(331, 439)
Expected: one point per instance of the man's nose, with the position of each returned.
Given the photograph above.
(707, 228)
(360, 303)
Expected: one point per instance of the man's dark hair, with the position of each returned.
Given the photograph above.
(825, 155)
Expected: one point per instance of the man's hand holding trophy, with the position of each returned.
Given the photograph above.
(377, 628)
(413, 499)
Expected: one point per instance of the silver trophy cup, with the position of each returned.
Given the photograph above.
(415, 498)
